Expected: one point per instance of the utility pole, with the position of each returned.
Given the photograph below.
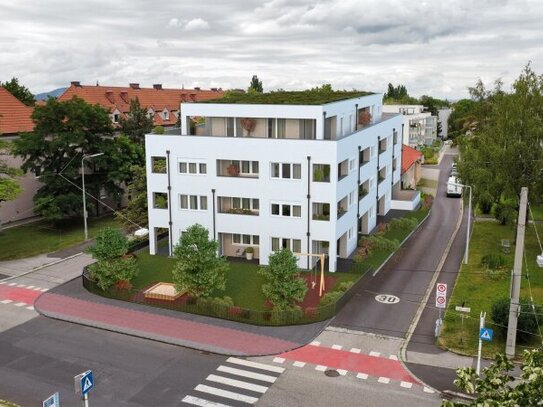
(514, 308)
(480, 348)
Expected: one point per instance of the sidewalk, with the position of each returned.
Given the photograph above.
(73, 303)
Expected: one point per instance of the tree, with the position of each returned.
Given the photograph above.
(9, 187)
(136, 210)
(398, 95)
(19, 91)
(63, 134)
(494, 387)
(198, 270)
(255, 85)
(284, 285)
(138, 124)
(110, 244)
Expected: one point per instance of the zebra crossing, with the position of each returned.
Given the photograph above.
(237, 382)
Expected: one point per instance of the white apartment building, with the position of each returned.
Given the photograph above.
(308, 177)
(420, 128)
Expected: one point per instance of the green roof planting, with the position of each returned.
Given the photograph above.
(306, 97)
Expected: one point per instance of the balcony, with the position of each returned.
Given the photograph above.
(342, 169)
(382, 175)
(383, 146)
(321, 211)
(238, 206)
(342, 207)
(321, 173)
(237, 168)
(158, 165)
(363, 189)
(364, 156)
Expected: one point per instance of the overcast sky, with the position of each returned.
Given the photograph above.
(433, 47)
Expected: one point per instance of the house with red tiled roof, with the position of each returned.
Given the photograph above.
(162, 104)
(411, 167)
(15, 118)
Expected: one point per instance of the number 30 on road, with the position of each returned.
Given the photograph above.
(387, 299)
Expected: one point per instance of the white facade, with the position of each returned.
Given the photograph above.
(420, 128)
(308, 177)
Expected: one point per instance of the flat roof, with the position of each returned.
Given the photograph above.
(306, 97)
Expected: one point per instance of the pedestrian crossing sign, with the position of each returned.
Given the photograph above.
(486, 334)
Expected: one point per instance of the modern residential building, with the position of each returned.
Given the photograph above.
(280, 170)
(162, 104)
(420, 127)
(15, 118)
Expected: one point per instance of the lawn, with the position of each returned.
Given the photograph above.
(41, 237)
(243, 282)
(428, 183)
(478, 289)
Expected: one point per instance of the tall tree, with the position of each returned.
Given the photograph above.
(136, 210)
(398, 95)
(138, 124)
(255, 85)
(64, 133)
(284, 285)
(19, 91)
(198, 270)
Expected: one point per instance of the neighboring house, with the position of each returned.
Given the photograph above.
(411, 167)
(162, 104)
(15, 118)
(287, 171)
(420, 128)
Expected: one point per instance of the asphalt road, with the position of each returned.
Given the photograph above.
(407, 275)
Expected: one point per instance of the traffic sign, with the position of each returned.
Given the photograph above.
(462, 309)
(486, 334)
(52, 401)
(441, 295)
(84, 382)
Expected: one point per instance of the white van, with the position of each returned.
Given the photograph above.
(453, 189)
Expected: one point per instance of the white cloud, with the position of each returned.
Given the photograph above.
(196, 24)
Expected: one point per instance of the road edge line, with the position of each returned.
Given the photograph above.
(53, 263)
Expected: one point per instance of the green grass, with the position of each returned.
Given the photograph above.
(41, 237)
(537, 211)
(307, 97)
(428, 183)
(477, 289)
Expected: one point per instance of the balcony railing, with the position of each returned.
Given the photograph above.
(240, 211)
(321, 217)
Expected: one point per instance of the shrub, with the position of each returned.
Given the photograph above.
(403, 223)
(110, 244)
(382, 243)
(331, 297)
(158, 130)
(505, 212)
(427, 201)
(286, 315)
(494, 261)
(108, 272)
(382, 228)
(310, 312)
(123, 285)
(485, 203)
(344, 286)
(234, 311)
(527, 322)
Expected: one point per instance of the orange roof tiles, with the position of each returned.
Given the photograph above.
(157, 98)
(15, 116)
(409, 157)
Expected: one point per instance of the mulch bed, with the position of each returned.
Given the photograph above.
(312, 298)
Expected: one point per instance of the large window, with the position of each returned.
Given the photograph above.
(286, 170)
(253, 240)
(192, 167)
(289, 210)
(279, 243)
(193, 202)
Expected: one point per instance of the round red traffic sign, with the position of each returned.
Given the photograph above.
(442, 288)
(440, 300)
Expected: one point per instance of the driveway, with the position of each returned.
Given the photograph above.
(407, 275)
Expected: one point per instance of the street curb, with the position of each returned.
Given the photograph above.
(402, 243)
(414, 323)
(43, 266)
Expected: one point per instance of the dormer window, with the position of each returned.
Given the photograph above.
(116, 118)
(165, 114)
(150, 113)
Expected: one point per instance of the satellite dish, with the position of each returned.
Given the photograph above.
(141, 232)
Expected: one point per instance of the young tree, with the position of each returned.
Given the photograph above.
(284, 285)
(138, 124)
(198, 270)
(255, 85)
(9, 187)
(19, 91)
(494, 386)
(136, 210)
(64, 133)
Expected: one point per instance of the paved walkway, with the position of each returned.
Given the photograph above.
(73, 303)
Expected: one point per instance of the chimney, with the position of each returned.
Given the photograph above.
(134, 85)
(157, 86)
(76, 83)
(214, 89)
(197, 88)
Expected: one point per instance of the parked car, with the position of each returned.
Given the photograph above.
(453, 189)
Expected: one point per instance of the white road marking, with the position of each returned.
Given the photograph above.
(384, 380)
(246, 373)
(320, 368)
(393, 357)
(37, 289)
(30, 287)
(407, 385)
(337, 347)
(12, 284)
(356, 350)
(299, 364)
(31, 308)
(20, 285)
(6, 301)
(195, 401)
(226, 394)
(43, 289)
(237, 383)
(256, 365)
(342, 372)
(362, 376)
(278, 360)
(21, 304)
(315, 343)
(428, 390)
(376, 354)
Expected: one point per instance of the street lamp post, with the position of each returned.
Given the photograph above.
(466, 253)
(84, 193)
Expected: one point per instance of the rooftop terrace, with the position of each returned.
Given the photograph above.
(306, 97)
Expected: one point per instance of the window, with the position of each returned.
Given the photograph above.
(372, 212)
(192, 167)
(253, 240)
(245, 203)
(352, 198)
(372, 151)
(165, 114)
(278, 243)
(287, 210)
(116, 118)
(160, 200)
(286, 170)
(350, 233)
(352, 164)
(158, 165)
(193, 202)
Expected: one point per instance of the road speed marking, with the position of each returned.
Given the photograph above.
(387, 299)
